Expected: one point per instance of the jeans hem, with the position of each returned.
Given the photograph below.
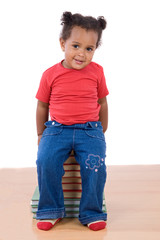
(89, 219)
(50, 214)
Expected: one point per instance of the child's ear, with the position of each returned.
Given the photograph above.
(62, 43)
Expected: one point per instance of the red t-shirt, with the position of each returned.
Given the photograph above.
(73, 94)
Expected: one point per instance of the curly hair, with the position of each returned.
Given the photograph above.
(69, 20)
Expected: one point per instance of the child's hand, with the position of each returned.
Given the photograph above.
(39, 138)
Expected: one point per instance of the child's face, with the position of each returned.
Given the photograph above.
(79, 48)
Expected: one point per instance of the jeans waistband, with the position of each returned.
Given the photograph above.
(77, 125)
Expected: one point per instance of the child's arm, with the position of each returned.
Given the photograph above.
(103, 114)
(41, 117)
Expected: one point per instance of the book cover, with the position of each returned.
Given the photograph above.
(71, 180)
(71, 186)
(72, 173)
(71, 167)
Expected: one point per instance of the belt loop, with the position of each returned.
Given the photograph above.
(89, 124)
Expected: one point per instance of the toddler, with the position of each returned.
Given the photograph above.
(74, 93)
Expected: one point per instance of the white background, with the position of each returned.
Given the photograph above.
(130, 56)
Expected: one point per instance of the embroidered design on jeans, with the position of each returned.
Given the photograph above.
(94, 162)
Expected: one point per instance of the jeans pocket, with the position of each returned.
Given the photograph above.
(95, 132)
(53, 128)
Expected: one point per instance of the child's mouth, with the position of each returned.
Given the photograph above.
(78, 61)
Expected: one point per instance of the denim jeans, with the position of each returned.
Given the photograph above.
(88, 142)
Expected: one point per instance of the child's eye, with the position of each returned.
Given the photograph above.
(89, 49)
(75, 46)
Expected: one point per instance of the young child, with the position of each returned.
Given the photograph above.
(74, 92)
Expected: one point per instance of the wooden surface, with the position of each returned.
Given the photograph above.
(133, 203)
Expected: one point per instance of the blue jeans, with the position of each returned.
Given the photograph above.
(88, 142)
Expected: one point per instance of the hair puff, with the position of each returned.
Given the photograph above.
(66, 18)
(102, 22)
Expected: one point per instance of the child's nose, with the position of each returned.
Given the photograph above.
(81, 53)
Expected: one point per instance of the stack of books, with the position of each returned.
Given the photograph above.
(72, 190)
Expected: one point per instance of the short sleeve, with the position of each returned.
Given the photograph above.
(44, 90)
(102, 87)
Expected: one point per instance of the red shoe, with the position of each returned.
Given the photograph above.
(98, 225)
(47, 224)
